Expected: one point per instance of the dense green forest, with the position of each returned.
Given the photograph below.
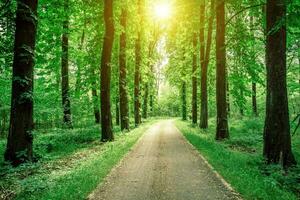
(82, 80)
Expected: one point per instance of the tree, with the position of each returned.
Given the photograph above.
(203, 69)
(146, 96)
(137, 73)
(184, 105)
(124, 112)
(106, 118)
(204, 66)
(277, 139)
(66, 103)
(95, 97)
(19, 142)
(222, 122)
(194, 81)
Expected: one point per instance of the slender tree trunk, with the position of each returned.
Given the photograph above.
(137, 78)
(228, 97)
(242, 104)
(137, 75)
(19, 141)
(194, 81)
(254, 102)
(117, 112)
(204, 69)
(145, 105)
(151, 82)
(78, 74)
(184, 104)
(95, 98)
(95, 104)
(254, 92)
(124, 110)
(277, 138)
(222, 121)
(106, 118)
(299, 58)
(66, 103)
(152, 93)
(202, 60)
(151, 101)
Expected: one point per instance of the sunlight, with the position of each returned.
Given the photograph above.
(162, 11)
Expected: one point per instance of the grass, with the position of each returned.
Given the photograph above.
(239, 160)
(71, 164)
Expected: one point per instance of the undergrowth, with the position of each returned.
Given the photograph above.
(70, 163)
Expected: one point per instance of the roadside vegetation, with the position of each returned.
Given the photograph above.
(71, 163)
(239, 159)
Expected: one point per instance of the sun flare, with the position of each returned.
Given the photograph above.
(162, 11)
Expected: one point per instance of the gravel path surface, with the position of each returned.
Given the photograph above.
(163, 166)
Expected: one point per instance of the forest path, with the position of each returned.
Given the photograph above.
(163, 166)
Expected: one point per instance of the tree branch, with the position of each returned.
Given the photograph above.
(244, 9)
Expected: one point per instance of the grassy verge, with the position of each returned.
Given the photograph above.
(72, 163)
(239, 160)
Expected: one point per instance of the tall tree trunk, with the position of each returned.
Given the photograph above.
(299, 58)
(228, 96)
(184, 105)
(254, 85)
(145, 104)
(95, 104)
(151, 83)
(95, 98)
(106, 118)
(254, 102)
(124, 110)
(19, 141)
(202, 61)
(222, 121)
(79, 68)
(117, 112)
(151, 101)
(204, 69)
(137, 75)
(194, 81)
(66, 103)
(277, 138)
(242, 103)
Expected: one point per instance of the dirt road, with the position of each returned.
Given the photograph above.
(162, 166)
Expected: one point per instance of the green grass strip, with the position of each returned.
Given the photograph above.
(240, 169)
(79, 182)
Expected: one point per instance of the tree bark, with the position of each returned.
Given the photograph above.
(117, 112)
(242, 103)
(151, 102)
(254, 85)
(277, 138)
(228, 97)
(222, 121)
(106, 118)
(137, 75)
(145, 104)
(95, 98)
(184, 105)
(19, 141)
(66, 103)
(124, 110)
(194, 81)
(95, 104)
(204, 69)
(79, 68)
(254, 102)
